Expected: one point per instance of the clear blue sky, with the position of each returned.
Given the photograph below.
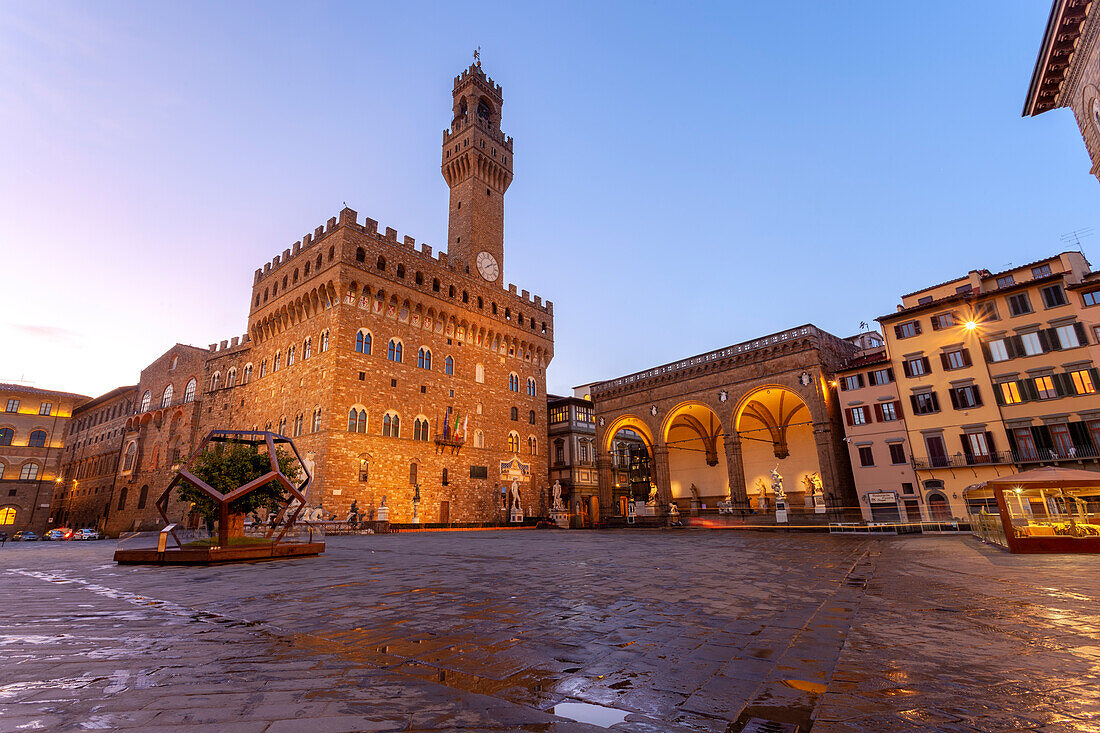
(687, 175)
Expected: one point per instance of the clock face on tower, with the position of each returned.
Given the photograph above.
(487, 266)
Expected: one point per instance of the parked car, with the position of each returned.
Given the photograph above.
(54, 535)
(86, 534)
(24, 535)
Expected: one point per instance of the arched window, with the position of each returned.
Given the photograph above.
(247, 373)
(146, 399)
(324, 341)
(307, 347)
(215, 381)
(282, 425)
(394, 352)
(357, 420)
(29, 472)
(275, 361)
(451, 291)
(189, 391)
(479, 374)
(231, 377)
(364, 470)
(166, 398)
(532, 445)
(412, 472)
(306, 273)
(298, 420)
(290, 356)
(531, 386)
(7, 515)
(128, 459)
(479, 439)
(401, 271)
(363, 341)
(360, 255)
(37, 439)
(419, 278)
(317, 419)
(122, 499)
(424, 359)
(435, 284)
(6, 434)
(263, 368)
(513, 441)
(143, 496)
(449, 365)
(531, 417)
(1, 475)
(420, 429)
(391, 425)
(381, 264)
(513, 382)
(515, 413)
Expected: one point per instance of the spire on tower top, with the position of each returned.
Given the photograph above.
(477, 55)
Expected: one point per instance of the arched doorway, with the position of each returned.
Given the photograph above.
(775, 429)
(695, 439)
(938, 508)
(629, 445)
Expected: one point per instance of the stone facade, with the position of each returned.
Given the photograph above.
(90, 462)
(716, 424)
(395, 369)
(32, 438)
(1067, 72)
(572, 452)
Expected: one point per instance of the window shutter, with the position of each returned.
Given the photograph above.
(1015, 346)
(1027, 389)
(848, 415)
(897, 407)
(1082, 335)
(977, 395)
(913, 401)
(871, 378)
(966, 357)
(943, 361)
(1063, 385)
(859, 379)
(989, 442)
(986, 354)
(843, 384)
(1055, 340)
(935, 402)
(878, 412)
(927, 365)
(897, 331)
(1095, 374)
(954, 395)
(890, 373)
(1044, 340)
(916, 327)
(905, 368)
(998, 395)
(965, 440)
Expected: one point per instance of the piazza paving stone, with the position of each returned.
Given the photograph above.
(650, 630)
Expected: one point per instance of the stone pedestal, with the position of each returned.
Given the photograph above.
(416, 513)
(781, 512)
(517, 515)
(383, 514)
(819, 504)
(560, 517)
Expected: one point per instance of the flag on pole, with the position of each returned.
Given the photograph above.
(465, 424)
(456, 423)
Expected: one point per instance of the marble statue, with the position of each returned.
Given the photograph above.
(557, 505)
(515, 495)
(777, 484)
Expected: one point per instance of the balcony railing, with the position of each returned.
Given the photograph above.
(960, 460)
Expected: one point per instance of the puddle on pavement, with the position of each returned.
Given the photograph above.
(585, 712)
(814, 687)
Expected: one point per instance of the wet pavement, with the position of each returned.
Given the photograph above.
(556, 631)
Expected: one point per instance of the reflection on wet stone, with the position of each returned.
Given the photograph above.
(644, 631)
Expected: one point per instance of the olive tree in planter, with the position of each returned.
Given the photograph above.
(225, 466)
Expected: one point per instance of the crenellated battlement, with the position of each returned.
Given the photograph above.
(475, 73)
(389, 237)
(230, 344)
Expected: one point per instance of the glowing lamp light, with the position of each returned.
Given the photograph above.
(970, 325)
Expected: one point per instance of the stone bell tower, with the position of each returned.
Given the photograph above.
(477, 165)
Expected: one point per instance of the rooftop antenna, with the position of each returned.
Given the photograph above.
(1074, 238)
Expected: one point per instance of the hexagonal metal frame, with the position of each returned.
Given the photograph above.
(249, 437)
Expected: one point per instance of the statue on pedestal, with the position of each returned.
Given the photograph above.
(557, 506)
(515, 495)
(777, 484)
